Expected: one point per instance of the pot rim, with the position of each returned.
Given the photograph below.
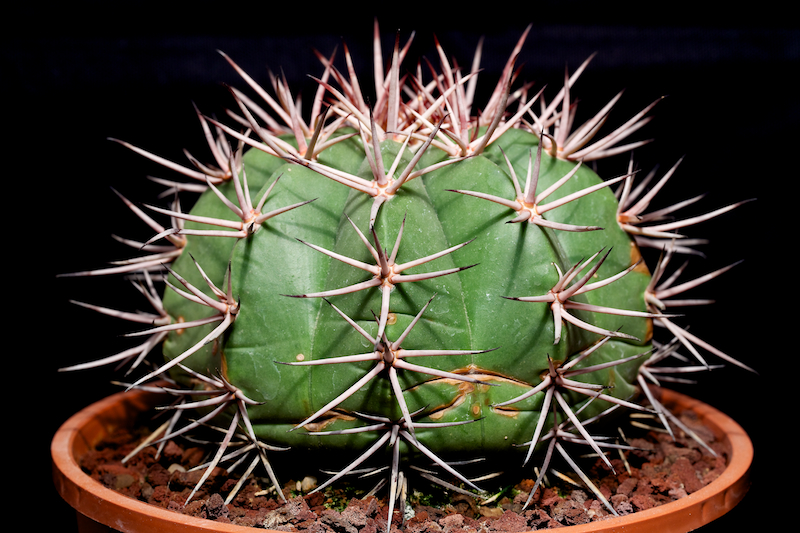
(106, 506)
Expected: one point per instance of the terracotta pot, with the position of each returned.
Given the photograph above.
(101, 509)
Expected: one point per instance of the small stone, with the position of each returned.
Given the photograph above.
(123, 481)
(308, 484)
(491, 512)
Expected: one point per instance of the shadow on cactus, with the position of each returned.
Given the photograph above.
(416, 279)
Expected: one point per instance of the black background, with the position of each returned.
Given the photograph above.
(75, 75)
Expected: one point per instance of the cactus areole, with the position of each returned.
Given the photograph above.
(417, 274)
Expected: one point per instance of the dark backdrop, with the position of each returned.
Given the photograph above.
(76, 75)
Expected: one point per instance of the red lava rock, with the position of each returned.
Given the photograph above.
(215, 509)
(456, 523)
(509, 522)
(360, 512)
(685, 471)
(337, 522)
(539, 519)
(642, 502)
(627, 487)
(570, 512)
(621, 504)
(549, 498)
(192, 456)
(172, 452)
(157, 475)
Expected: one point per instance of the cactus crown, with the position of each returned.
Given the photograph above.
(413, 274)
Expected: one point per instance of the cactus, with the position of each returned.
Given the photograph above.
(415, 274)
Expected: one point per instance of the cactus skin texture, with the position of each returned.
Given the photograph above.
(408, 274)
(468, 311)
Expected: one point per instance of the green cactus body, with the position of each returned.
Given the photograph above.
(469, 308)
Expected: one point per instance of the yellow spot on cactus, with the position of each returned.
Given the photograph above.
(636, 255)
(180, 331)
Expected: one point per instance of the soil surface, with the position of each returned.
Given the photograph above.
(658, 471)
